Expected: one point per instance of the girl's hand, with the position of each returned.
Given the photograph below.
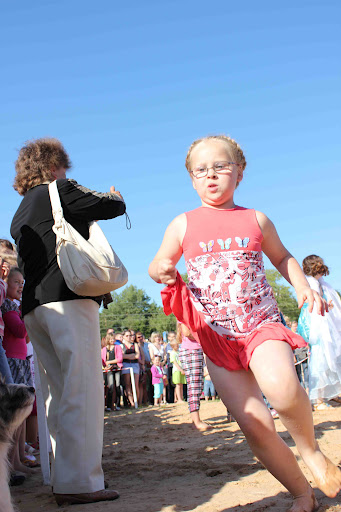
(4, 269)
(306, 294)
(183, 372)
(167, 272)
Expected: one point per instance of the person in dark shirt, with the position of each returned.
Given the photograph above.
(63, 327)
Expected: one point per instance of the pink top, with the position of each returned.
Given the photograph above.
(104, 356)
(14, 341)
(228, 304)
(3, 290)
(226, 275)
(190, 344)
(157, 375)
(119, 355)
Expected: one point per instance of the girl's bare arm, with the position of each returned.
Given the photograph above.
(162, 268)
(286, 264)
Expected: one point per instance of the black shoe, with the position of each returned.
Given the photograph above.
(16, 480)
(86, 497)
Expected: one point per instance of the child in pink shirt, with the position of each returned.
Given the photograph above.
(157, 380)
(7, 257)
(14, 342)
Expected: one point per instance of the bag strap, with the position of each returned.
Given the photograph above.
(57, 210)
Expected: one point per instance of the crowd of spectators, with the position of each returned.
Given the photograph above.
(158, 372)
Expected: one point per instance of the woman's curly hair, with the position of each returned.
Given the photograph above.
(35, 160)
(314, 265)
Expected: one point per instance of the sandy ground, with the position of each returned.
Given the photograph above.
(158, 463)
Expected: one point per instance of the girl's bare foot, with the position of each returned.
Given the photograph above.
(327, 476)
(305, 503)
(202, 426)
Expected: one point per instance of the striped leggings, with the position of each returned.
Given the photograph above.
(192, 361)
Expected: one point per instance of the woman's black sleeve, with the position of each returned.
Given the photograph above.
(80, 202)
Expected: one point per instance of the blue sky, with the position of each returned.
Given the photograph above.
(127, 88)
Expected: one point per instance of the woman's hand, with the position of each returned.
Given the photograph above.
(116, 192)
(306, 294)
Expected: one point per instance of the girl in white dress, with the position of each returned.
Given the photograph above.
(323, 333)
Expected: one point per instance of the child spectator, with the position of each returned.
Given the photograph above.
(157, 380)
(15, 344)
(208, 385)
(15, 335)
(178, 373)
(6, 251)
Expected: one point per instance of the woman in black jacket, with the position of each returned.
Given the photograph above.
(63, 327)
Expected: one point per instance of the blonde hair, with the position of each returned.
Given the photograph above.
(235, 150)
(8, 252)
(174, 343)
(153, 336)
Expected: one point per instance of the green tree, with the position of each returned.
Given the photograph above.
(132, 308)
(283, 295)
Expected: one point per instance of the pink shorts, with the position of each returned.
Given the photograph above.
(231, 354)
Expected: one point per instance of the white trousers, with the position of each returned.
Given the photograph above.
(66, 338)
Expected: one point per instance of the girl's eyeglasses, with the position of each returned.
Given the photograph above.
(218, 167)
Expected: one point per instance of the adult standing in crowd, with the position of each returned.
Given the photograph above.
(144, 369)
(168, 349)
(63, 327)
(131, 356)
(156, 347)
(114, 365)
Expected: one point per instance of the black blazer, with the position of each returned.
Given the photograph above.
(31, 229)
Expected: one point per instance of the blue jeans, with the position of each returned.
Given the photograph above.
(209, 388)
(4, 368)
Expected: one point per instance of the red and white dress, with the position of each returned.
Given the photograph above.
(228, 304)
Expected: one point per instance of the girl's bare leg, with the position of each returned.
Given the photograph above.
(273, 367)
(241, 395)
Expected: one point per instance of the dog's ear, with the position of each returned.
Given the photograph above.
(2, 380)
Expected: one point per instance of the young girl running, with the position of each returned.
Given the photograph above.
(230, 309)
